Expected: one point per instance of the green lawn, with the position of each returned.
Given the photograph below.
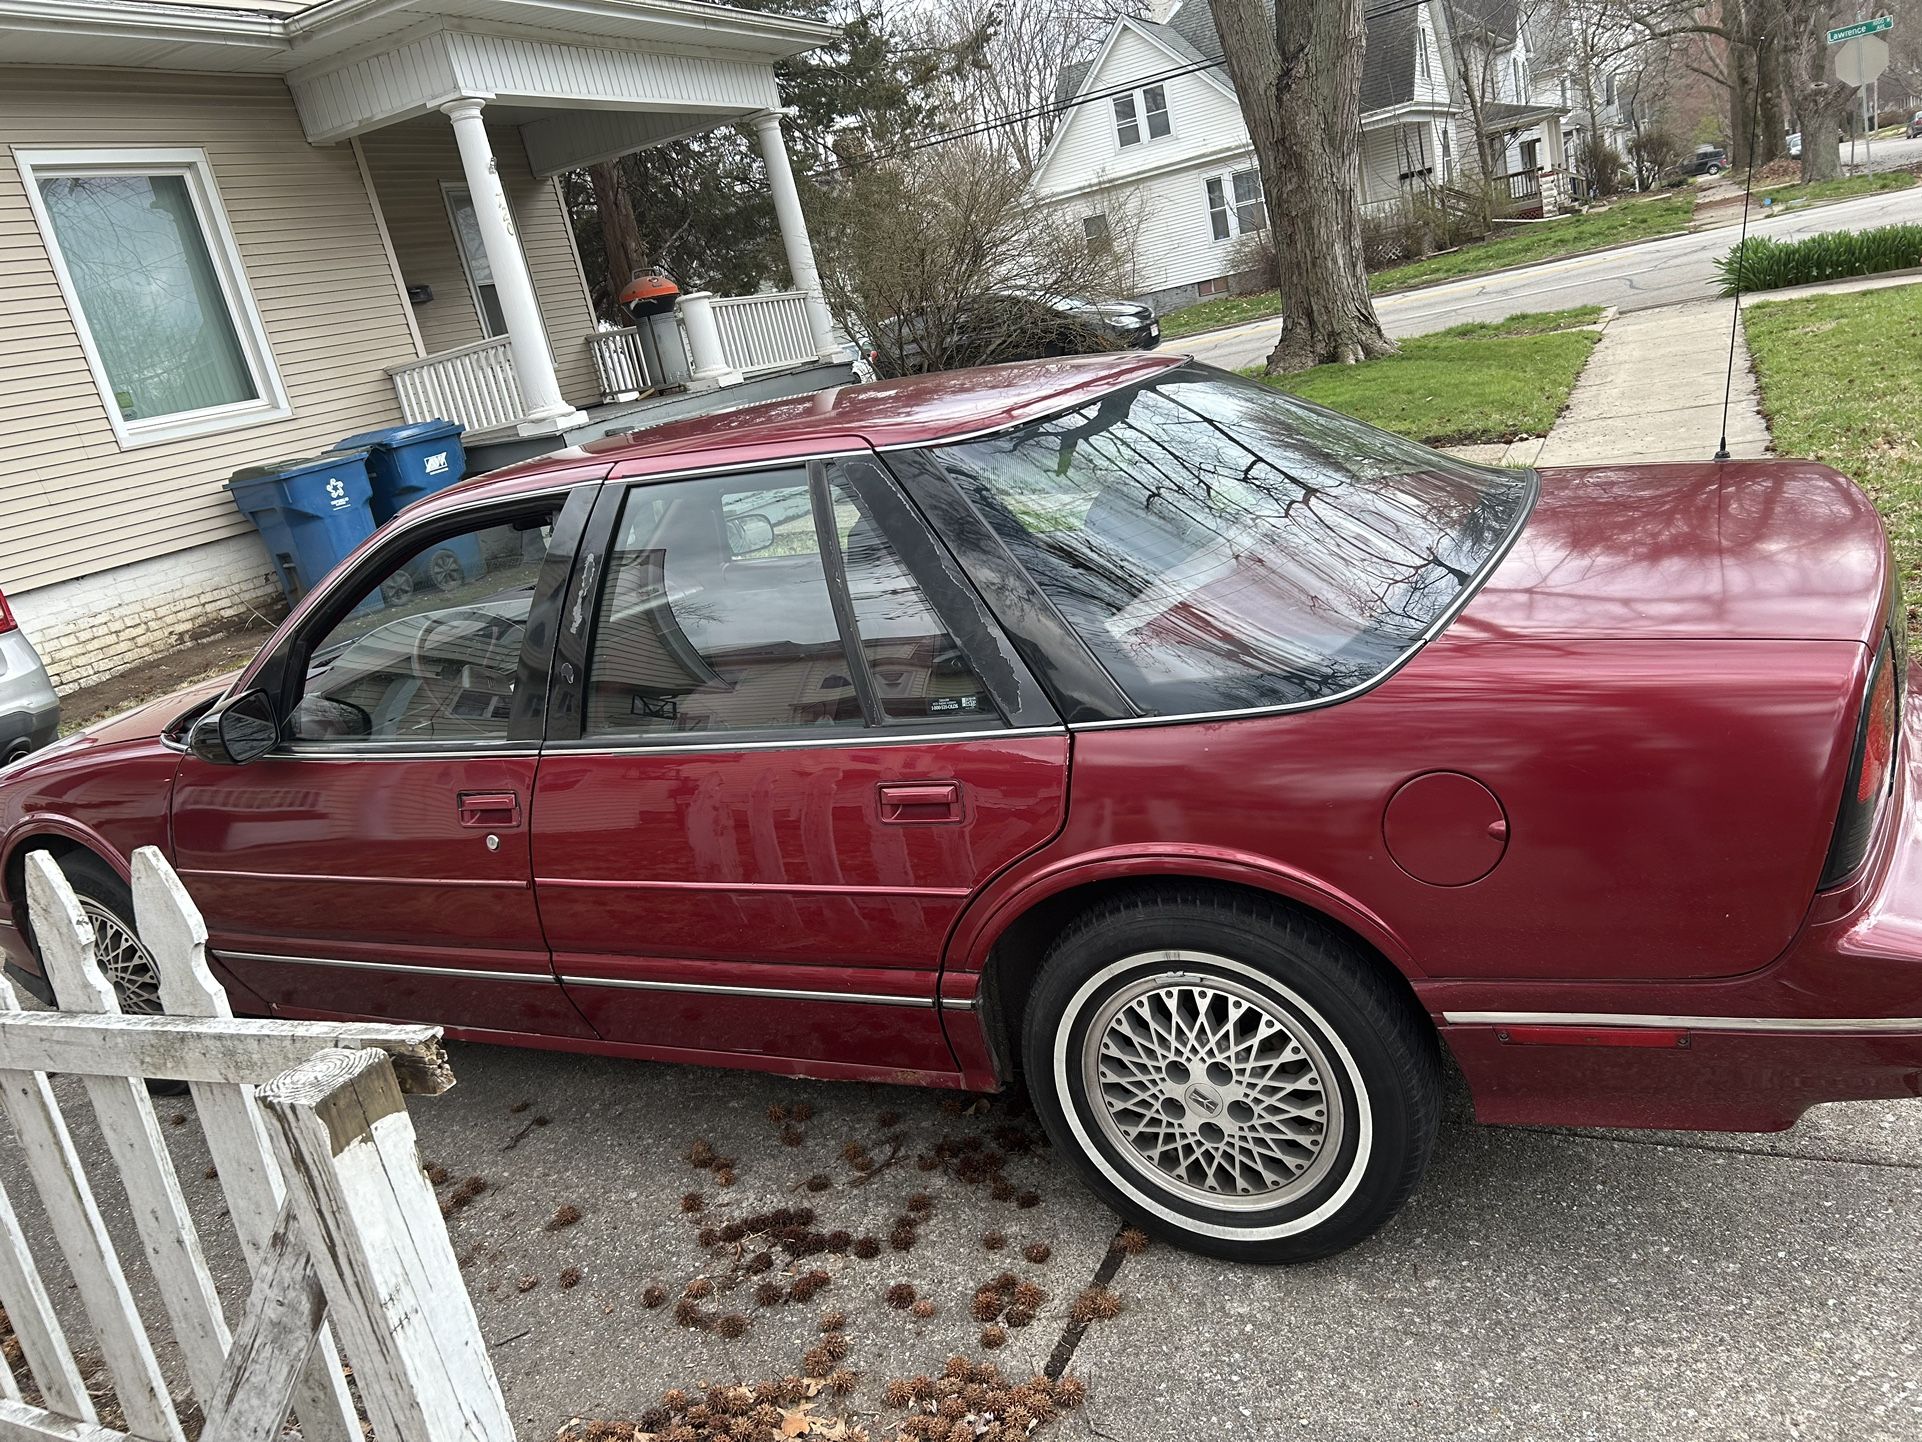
(1841, 379)
(1841, 188)
(1627, 220)
(1474, 383)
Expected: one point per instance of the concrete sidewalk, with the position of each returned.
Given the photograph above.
(1653, 390)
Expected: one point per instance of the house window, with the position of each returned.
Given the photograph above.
(142, 251)
(1521, 92)
(1531, 155)
(1608, 90)
(1564, 92)
(1236, 205)
(1149, 105)
(1421, 53)
(1094, 229)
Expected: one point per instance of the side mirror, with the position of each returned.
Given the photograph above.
(236, 731)
(749, 535)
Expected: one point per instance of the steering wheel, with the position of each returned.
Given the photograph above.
(420, 660)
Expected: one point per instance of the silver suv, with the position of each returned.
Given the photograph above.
(29, 709)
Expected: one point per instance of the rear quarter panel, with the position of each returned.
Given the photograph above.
(1668, 803)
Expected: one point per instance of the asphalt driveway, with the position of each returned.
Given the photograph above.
(1541, 1284)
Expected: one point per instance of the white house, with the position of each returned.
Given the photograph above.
(238, 230)
(1152, 145)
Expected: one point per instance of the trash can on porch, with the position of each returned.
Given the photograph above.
(405, 463)
(310, 510)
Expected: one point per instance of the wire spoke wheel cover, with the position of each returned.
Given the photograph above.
(1213, 1089)
(128, 967)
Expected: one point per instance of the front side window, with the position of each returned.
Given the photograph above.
(142, 250)
(431, 649)
(1219, 546)
(755, 603)
(1127, 125)
(1094, 228)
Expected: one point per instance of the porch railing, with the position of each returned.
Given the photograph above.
(1522, 184)
(620, 363)
(764, 332)
(473, 384)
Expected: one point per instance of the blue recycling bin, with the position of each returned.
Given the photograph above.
(405, 463)
(310, 510)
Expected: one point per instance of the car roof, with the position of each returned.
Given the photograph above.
(913, 411)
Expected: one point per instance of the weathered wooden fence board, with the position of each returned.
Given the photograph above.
(373, 1229)
(139, 1153)
(176, 935)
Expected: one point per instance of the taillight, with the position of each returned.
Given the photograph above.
(1870, 770)
(7, 623)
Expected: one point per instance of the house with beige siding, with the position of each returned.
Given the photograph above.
(232, 233)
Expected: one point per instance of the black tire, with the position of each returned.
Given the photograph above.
(100, 887)
(1283, 982)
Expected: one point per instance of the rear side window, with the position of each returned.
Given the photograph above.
(1219, 546)
(763, 603)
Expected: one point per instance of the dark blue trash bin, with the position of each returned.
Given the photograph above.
(405, 463)
(310, 510)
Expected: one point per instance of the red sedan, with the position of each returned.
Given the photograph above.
(1214, 762)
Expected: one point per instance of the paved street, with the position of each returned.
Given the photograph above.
(1657, 272)
(1540, 1285)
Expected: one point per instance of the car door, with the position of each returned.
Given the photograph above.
(376, 863)
(796, 747)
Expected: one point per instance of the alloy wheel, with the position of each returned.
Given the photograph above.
(128, 966)
(1212, 1090)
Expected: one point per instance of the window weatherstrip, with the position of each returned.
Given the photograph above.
(827, 538)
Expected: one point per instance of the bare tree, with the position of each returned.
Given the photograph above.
(1297, 71)
(1018, 50)
(1732, 44)
(939, 261)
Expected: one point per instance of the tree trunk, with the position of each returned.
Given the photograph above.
(1297, 71)
(620, 233)
(1821, 102)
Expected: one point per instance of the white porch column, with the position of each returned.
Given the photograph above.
(527, 338)
(794, 230)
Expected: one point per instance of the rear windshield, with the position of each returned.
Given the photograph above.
(1220, 546)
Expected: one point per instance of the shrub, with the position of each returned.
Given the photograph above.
(1761, 263)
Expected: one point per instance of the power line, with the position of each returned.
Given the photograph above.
(1049, 108)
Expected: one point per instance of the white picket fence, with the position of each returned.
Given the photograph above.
(314, 1150)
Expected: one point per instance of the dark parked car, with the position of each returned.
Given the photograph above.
(1707, 160)
(1215, 762)
(1915, 125)
(992, 329)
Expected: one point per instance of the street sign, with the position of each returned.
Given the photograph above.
(1861, 27)
(1860, 60)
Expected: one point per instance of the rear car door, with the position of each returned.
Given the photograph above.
(795, 745)
(376, 862)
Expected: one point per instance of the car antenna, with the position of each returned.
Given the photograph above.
(1748, 187)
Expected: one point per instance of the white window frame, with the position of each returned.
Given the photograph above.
(192, 165)
(1232, 207)
(1138, 99)
(1096, 233)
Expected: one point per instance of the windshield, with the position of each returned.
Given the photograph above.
(1220, 546)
